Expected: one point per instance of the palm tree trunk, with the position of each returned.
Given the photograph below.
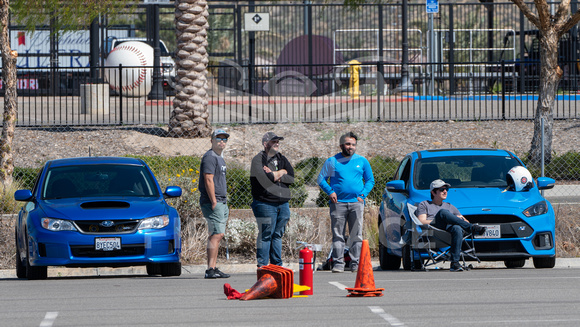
(10, 96)
(550, 76)
(190, 116)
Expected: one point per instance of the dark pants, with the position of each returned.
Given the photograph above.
(455, 226)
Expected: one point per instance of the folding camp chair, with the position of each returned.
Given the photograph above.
(430, 245)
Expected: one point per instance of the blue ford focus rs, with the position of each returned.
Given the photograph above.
(97, 212)
(520, 223)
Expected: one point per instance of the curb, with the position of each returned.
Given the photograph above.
(237, 268)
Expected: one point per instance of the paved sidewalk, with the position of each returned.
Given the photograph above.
(561, 263)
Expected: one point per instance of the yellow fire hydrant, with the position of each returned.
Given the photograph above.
(353, 83)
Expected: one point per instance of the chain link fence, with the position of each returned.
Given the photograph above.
(176, 161)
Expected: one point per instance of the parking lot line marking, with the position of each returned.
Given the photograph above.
(339, 285)
(387, 317)
(49, 319)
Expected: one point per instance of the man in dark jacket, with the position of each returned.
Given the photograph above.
(271, 175)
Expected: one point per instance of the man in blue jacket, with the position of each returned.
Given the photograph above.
(348, 179)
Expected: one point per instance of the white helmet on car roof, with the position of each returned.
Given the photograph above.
(519, 178)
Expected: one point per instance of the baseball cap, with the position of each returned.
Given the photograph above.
(438, 183)
(271, 136)
(219, 132)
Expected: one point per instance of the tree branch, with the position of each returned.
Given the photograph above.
(533, 18)
(544, 17)
(571, 22)
(562, 13)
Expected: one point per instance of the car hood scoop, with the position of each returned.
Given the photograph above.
(105, 205)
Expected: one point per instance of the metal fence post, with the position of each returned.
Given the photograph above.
(120, 94)
(380, 82)
(542, 147)
(503, 89)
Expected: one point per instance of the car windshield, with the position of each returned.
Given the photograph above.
(104, 180)
(464, 171)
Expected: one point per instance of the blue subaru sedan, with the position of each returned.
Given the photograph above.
(520, 223)
(97, 212)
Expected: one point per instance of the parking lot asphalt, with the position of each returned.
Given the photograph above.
(237, 268)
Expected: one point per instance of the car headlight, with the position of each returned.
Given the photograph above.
(539, 208)
(154, 222)
(57, 225)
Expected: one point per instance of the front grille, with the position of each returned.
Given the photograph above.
(499, 247)
(511, 226)
(116, 226)
(90, 252)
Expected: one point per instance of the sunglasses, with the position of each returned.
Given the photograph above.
(443, 189)
(221, 139)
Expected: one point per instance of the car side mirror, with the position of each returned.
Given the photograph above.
(546, 183)
(172, 191)
(22, 195)
(397, 186)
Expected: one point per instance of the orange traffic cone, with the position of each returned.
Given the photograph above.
(365, 279)
(265, 286)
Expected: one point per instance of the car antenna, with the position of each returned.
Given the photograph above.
(89, 151)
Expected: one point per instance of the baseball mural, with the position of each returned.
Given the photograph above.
(136, 76)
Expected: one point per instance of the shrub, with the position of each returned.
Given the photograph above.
(383, 170)
(323, 199)
(298, 193)
(8, 205)
(565, 167)
(309, 169)
(239, 188)
(25, 177)
(241, 236)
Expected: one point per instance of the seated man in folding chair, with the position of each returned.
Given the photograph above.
(445, 216)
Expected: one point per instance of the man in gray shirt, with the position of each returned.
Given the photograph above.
(213, 199)
(445, 216)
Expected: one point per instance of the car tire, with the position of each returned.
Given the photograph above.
(153, 269)
(407, 261)
(544, 262)
(514, 263)
(171, 269)
(20, 268)
(35, 272)
(388, 261)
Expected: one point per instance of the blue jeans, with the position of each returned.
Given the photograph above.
(272, 219)
(455, 226)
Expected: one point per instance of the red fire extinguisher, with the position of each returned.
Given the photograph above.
(306, 269)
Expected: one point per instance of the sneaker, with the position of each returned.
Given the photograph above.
(354, 269)
(213, 273)
(478, 230)
(455, 266)
(337, 270)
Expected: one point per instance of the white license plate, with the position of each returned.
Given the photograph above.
(107, 243)
(492, 231)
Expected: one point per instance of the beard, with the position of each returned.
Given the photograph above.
(346, 152)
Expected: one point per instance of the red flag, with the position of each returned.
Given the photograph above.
(21, 38)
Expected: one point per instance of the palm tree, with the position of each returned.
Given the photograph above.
(190, 116)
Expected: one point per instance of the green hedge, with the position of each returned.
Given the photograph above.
(565, 167)
(25, 177)
(309, 169)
